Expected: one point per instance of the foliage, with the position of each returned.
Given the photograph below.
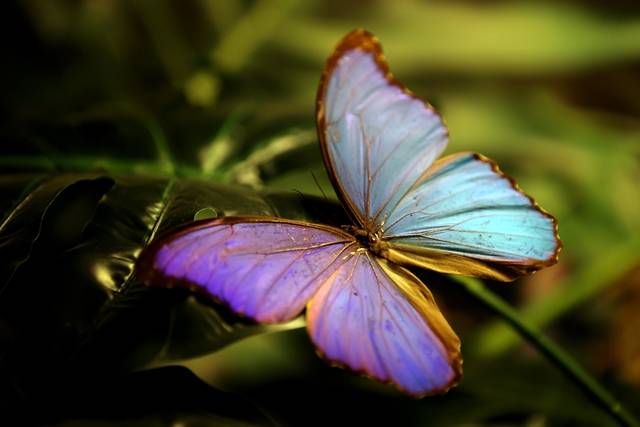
(122, 119)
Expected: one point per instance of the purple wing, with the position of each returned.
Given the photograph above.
(266, 269)
(379, 319)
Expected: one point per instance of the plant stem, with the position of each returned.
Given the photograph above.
(496, 338)
(552, 351)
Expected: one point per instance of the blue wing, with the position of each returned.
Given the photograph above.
(466, 217)
(377, 138)
(460, 215)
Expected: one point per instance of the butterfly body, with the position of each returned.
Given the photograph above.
(365, 310)
(369, 240)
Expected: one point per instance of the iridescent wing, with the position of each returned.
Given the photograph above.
(460, 216)
(464, 216)
(264, 268)
(379, 319)
(375, 136)
(363, 312)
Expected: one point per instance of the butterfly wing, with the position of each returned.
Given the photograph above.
(375, 136)
(264, 268)
(379, 319)
(464, 216)
(364, 312)
(461, 216)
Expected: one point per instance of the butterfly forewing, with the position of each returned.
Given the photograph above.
(266, 269)
(376, 138)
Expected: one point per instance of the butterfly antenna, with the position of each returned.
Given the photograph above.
(315, 179)
(299, 193)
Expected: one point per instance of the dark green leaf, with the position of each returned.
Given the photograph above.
(73, 305)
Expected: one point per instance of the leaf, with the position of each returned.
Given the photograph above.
(22, 223)
(73, 308)
(13, 190)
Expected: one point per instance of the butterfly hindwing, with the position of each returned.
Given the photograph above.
(375, 136)
(264, 268)
(466, 217)
(379, 319)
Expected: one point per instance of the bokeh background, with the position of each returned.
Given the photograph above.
(225, 90)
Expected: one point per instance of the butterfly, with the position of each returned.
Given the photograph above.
(364, 309)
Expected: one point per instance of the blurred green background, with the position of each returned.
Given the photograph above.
(225, 90)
